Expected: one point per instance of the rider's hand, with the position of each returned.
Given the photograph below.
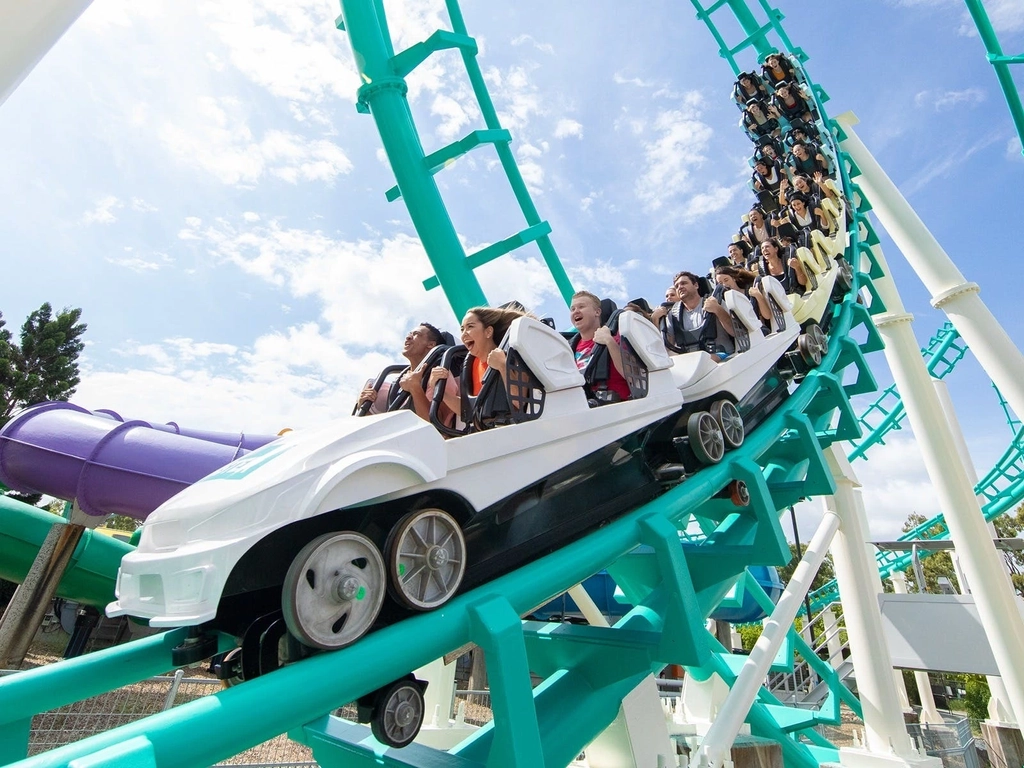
(368, 395)
(603, 336)
(412, 379)
(496, 358)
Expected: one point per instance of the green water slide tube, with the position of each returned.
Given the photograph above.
(92, 572)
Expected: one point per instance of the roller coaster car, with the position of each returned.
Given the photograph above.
(326, 532)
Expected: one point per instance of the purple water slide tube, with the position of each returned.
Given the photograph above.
(110, 465)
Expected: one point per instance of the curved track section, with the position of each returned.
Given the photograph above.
(587, 670)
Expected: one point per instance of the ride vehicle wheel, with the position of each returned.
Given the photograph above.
(230, 669)
(739, 494)
(705, 436)
(426, 557)
(398, 713)
(844, 277)
(812, 345)
(333, 590)
(730, 421)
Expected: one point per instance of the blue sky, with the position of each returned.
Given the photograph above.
(195, 176)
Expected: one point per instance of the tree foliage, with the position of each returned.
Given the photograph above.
(122, 523)
(43, 364)
(1009, 526)
(934, 565)
(825, 573)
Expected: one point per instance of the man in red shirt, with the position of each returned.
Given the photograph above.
(585, 315)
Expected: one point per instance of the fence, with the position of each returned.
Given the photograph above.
(126, 705)
(952, 741)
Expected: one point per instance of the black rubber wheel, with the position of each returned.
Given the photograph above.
(230, 669)
(812, 345)
(426, 559)
(705, 438)
(729, 421)
(398, 713)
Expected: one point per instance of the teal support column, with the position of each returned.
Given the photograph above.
(384, 94)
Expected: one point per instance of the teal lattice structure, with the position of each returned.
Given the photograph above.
(886, 414)
(383, 95)
(1000, 62)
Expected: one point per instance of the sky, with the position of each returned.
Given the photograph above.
(195, 176)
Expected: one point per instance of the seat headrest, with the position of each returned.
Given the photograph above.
(607, 308)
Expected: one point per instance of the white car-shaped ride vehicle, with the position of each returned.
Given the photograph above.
(362, 519)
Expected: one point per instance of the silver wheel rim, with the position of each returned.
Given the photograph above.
(731, 423)
(819, 339)
(428, 559)
(334, 590)
(708, 435)
(402, 714)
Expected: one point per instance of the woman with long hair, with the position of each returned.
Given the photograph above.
(483, 328)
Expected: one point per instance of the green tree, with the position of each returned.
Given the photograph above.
(933, 565)
(122, 523)
(825, 573)
(1009, 526)
(44, 365)
(976, 697)
(41, 365)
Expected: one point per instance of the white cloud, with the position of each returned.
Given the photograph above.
(620, 79)
(1006, 16)
(604, 278)
(284, 47)
(135, 264)
(453, 116)
(567, 127)
(140, 205)
(218, 140)
(715, 199)
(533, 175)
(946, 100)
(675, 151)
(249, 217)
(544, 47)
(103, 213)
(515, 97)
(1013, 150)
(944, 165)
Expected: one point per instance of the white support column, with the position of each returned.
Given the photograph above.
(950, 291)
(833, 642)
(996, 603)
(999, 708)
(885, 736)
(719, 739)
(929, 712)
(638, 737)
(29, 30)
